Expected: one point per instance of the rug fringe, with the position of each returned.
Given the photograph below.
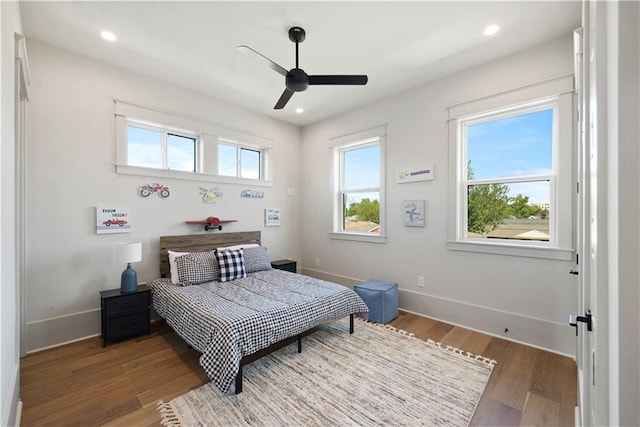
(168, 416)
(429, 341)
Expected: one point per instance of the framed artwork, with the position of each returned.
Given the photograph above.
(271, 217)
(414, 175)
(413, 213)
(112, 219)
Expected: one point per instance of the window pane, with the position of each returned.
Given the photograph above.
(181, 153)
(513, 146)
(144, 147)
(361, 212)
(250, 163)
(362, 168)
(517, 211)
(227, 160)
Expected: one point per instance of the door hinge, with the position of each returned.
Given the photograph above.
(587, 318)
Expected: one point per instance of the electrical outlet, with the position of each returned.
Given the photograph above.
(317, 262)
(421, 281)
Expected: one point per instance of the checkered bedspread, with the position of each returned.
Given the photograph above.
(226, 321)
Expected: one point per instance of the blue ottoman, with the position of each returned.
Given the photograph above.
(381, 298)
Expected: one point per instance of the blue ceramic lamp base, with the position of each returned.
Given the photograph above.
(129, 281)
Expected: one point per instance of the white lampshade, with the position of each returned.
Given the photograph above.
(129, 252)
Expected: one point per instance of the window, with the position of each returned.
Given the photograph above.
(360, 189)
(358, 197)
(153, 147)
(159, 144)
(239, 161)
(511, 175)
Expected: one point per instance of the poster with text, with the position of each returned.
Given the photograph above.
(414, 175)
(271, 217)
(111, 219)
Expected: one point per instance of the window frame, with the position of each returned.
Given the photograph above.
(208, 133)
(557, 93)
(511, 111)
(358, 140)
(240, 147)
(166, 131)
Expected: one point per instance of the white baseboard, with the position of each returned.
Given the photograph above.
(18, 414)
(61, 330)
(540, 333)
(544, 334)
(12, 408)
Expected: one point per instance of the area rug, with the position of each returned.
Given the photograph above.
(377, 376)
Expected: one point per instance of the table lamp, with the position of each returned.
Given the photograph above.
(129, 252)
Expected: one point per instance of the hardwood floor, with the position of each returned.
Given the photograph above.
(85, 384)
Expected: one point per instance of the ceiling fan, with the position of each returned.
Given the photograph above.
(296, 80)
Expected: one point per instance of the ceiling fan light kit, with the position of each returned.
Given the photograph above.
(296, 79)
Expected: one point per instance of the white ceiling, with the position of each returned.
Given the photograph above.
(399, 45)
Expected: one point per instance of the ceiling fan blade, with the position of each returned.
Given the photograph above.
(338, 80)
(284, 98)
(278, 68)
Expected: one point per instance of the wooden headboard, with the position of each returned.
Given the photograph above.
(201, 243)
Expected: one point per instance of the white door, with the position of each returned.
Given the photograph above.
(592, 250)
(581, 268)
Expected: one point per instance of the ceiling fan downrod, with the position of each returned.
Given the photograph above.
(297, 35)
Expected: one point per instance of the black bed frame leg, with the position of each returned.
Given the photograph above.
(299, 343)
(239, 380)
(351, 323)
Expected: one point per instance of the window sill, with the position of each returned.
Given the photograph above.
(558, 254)
(190, 176)
(356, 237)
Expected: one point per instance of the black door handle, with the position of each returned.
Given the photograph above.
(574, 272)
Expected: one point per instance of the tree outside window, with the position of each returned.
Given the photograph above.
(360, 188)
(509, 175)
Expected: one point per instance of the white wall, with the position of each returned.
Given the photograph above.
(9, 300)
(530, 297)
(71, 156)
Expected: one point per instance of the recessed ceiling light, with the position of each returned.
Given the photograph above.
(299, 110)
(491, 30)
(108, 36)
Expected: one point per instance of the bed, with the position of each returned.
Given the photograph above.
(226, 321)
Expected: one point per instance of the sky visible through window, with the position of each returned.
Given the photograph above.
(513, 147)
(181, 153)
(362, 170)
(144, 147)
(228, 161)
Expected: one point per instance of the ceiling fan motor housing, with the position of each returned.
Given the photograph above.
(297, 80)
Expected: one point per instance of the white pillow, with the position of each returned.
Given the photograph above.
(236, 247)
(173, 267)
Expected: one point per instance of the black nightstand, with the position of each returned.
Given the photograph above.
(285, 264)
(125, 315)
